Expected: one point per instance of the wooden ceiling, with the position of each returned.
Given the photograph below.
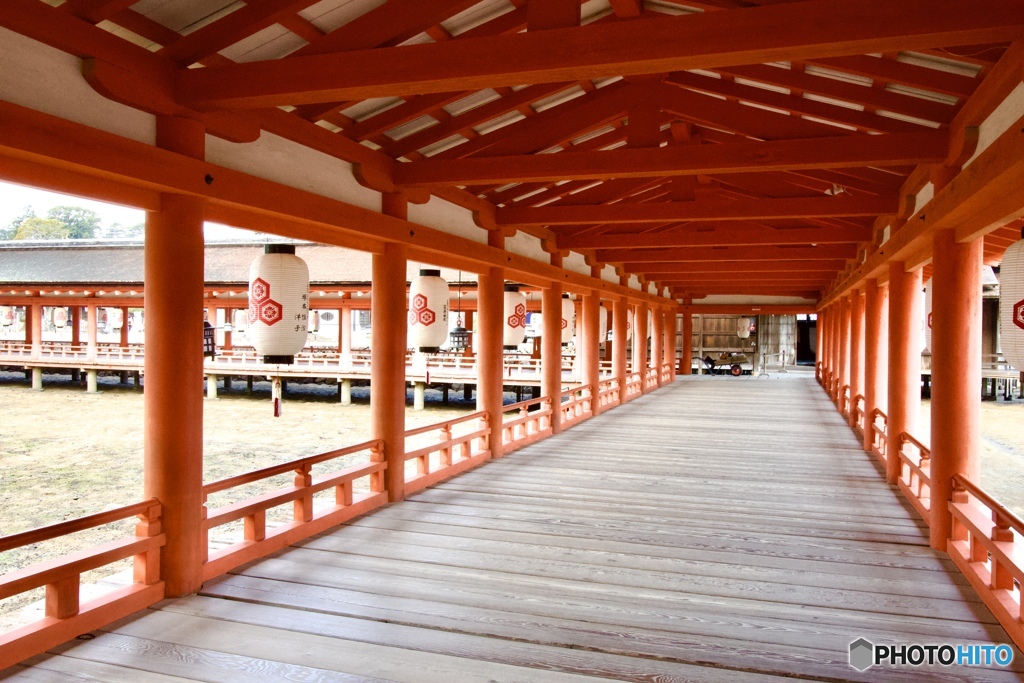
(713, 146)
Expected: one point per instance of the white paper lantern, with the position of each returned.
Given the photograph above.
(314, 321)
(278, 303)
(241, 320)
(1011, 305)
(928, 317)
(116, 318)
(101, 317)
(428, 311)
(60, 317)
(743, 330)
(515, 317)
(568, 319)
(6, 316)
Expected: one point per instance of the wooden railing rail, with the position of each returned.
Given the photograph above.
(651, 378)
(526, 422)
(608, 393)
(634, 385)
(915, 475)
(844, 401)
(575, 404)
(259, 540)
(879, 441)
(666, 373)
(65, 616)
(858, 416)
(455, 453)
(986, 545)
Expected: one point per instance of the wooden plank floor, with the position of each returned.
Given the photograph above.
(717, 530)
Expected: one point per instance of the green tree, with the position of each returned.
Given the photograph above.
(117, 230)
(81, 223)
(41, 229)
(11, 229)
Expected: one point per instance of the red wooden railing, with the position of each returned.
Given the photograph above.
(915, 473)
(651, 378)
(858, 417)
(986, 546)
(634, 385)
(575, 405)
(530, 422)
(878, 424)
(462, 443)
(986, 538)
(608, 393)
(306, 520)
(65, 616)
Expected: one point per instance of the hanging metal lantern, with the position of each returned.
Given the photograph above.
(743, 330)
(278, 303)
(6, 316)
(60, 317)
(602, 334)
(1011, 304)
(568, 319)
(428, 311)
(515, 318)
(928, 317)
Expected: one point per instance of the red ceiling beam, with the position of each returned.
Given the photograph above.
(704, 210)
(721, 237)
(656, 270)
(785, 155)
(798, 31)
(683, 255)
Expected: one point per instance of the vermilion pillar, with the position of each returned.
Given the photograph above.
(904, 361)
(657, 340)
(591, 346)
(956, 373)
(551, 351)
(856, 349)
(671, 327)
(76, 325)
(844, 346)
(387, 362)
(837, 316)
(490, 325)
(92, 332)
(124, 325)
(34, 328)
(174, 366)
(876, 353)
(345, 331)
(640, 344)
(620, 310)
(686, 344)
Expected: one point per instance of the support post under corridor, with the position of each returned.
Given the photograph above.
(856, 350)
(619, 364)
(591, 346)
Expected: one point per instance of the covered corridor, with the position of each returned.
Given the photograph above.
(745, 535)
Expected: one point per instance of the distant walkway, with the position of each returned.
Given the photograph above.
(721, 529)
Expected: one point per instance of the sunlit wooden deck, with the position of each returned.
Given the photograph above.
(720, 529)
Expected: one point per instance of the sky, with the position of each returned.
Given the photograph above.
(14, 199)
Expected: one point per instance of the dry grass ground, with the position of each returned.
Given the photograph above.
(65, 453)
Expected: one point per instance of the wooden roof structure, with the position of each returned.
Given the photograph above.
(746, 148)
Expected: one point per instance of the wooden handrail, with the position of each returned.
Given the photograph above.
(907, 438)
(1015, 522)
(448, 423)
(71, 526)
(284, 468)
